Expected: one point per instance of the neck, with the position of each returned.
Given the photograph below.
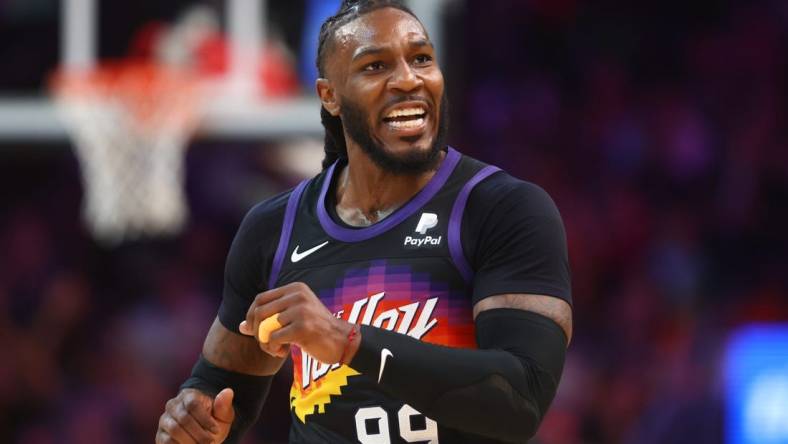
(365, 193)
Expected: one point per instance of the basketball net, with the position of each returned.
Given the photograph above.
(130, 123)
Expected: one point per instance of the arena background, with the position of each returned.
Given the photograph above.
(659, 128)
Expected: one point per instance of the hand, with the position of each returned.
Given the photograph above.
(194, 417)
(305, 321)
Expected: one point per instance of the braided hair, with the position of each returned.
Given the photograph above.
(334, 145)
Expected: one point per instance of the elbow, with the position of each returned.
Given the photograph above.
(522, 423)
(493, 410)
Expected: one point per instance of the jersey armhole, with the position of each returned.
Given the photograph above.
(455, 222)
(287, 230)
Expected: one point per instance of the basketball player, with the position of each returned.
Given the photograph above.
(422, 295)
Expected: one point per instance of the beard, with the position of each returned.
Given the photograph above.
(412, 163)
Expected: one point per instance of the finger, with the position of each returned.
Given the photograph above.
(263, 312)
(268, 325)
(162, 437)
(271, 313)
(199, 417)
(198, 405)
(279, 352)
(177, 433)
(267, 349)
(285, 319)
(282, 337)
(191, 426)
(282, 351)
(223, 406)
(288, 315)
(246, 329)
(263, 299)
(270, 295)
(276, 306)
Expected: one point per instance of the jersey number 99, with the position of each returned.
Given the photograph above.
(428, 434)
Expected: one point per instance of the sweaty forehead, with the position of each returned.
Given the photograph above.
(379, 28)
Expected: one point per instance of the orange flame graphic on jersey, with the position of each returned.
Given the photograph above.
(314, 383)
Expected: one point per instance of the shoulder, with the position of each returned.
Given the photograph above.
(267, 211)
(251, 252)
(262, 223)
(502, 193)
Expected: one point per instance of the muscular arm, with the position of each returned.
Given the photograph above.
(238, 353)
(500, 391)
(235, 361)
(557, 310)
(230, 360)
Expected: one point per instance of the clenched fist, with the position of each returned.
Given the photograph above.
(194, 417)
(304, 321)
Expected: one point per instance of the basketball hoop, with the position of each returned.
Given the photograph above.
(131, 122)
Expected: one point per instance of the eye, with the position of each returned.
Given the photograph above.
(374, 66)
(423, 59)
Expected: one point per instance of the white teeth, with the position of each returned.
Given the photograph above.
(406, 124)
(405, 112)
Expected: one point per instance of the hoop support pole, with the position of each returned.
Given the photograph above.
(78, 35)
(246, 25)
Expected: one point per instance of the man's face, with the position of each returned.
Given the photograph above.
(389, 89)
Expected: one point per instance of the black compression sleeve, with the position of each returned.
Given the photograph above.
(501, 391)
(249, 393)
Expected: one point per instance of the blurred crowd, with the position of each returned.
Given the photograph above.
(657, 127)
(95, 339)
(659, 130)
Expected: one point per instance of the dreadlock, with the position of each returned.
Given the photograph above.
(334, 145)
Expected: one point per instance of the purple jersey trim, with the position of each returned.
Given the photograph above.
(287, 229)
(345, 234)
(455, 222)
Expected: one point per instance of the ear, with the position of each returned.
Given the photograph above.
(327, 96)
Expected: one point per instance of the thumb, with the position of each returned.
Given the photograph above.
(223, 406)
(245, 329)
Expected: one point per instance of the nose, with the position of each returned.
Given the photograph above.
(404, 78)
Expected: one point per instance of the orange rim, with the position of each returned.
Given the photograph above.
(153, 94)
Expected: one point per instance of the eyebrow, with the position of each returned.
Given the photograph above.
(371, 50)
(421, 43)
(367, 50)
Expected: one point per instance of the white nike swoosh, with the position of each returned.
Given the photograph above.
(385, 353)
(296, 256)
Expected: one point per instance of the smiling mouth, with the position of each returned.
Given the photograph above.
(406, 118)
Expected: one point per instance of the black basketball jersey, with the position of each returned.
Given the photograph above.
(470, 233)
(406, 273)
